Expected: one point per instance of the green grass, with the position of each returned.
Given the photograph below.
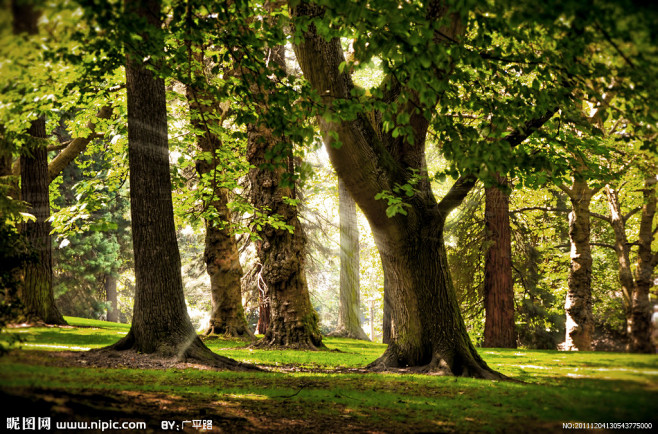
(559, 387)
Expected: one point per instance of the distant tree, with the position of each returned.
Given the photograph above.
(499, 327)
(349, 311)
(221, 251)
(635, 287)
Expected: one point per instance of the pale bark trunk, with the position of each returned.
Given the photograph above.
(641, 307)
(578, 306)
(622, 250)
(349, 313)
(112, 298)
(499, 327)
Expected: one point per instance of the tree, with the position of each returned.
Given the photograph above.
(221, 251)
(371, 158)
(281, 249)
(349, 315)
(36, 290)
(578, 306)
(635, 288)
(160, 324)
(499, 327)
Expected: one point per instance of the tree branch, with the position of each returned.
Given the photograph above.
(456, 195)
(631, 213)
(76, 146)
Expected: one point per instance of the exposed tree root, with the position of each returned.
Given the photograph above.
(287, 342)
(229, 332)
(470, 367)
(344, 333)
(192, 351)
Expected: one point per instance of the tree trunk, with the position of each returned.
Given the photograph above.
(221, 251)
(293, 322)
(111, 297)
(622, 250)
(578, 306)
(36, 291)
(161, 324)
(429, 330)
(349, 315)
(499, 328)
(387, 321)
(646, 261)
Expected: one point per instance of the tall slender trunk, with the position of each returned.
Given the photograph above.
(160, 324)
(112, 298)
(622, 250)
(646, 261)
(349, 314)
(499, 328)
(578, 306)
(387, 321)
(36, 291)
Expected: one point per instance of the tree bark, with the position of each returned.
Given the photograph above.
(111, 296)
(623, 251)
(221, 251)
(161, 324)
(36, 291)
(578, 305)
(387, 320)
(499, 328)
(293, 322)
(646, 261)
(349, 315)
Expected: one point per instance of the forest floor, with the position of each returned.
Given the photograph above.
(52, 376)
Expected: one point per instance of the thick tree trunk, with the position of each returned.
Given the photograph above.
(223, 265)
(36, 291)
(499, 329)
(646, 261)
(221, 251)
(578, 306)
(161, 324)
(293, 322)
(429, 330)
(112, 298)
(349, 315)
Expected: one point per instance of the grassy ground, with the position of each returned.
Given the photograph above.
(559, 388)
